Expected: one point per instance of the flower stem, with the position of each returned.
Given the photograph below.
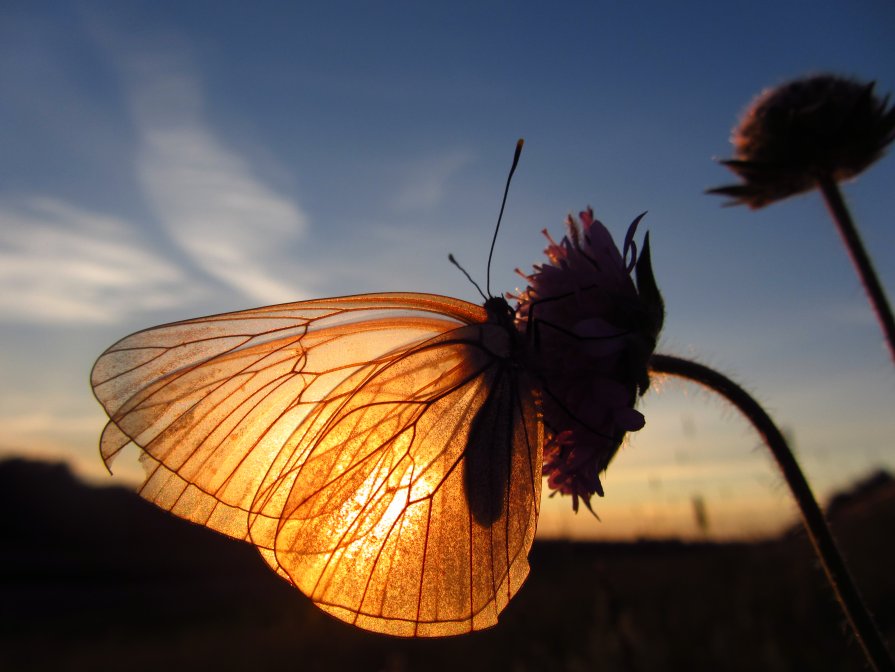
(819, 533)
(875, 292)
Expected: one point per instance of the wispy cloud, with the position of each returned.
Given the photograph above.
(206, 195)
(64, 264)
(426, 181)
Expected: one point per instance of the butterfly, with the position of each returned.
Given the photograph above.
(383, 452)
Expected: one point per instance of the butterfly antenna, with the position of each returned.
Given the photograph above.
(468, 276)
(503, 203)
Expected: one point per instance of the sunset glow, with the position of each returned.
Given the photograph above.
(210, 165)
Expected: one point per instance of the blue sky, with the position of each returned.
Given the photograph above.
(162, 160)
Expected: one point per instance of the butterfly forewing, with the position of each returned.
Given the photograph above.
(218, 409)
(333, 434)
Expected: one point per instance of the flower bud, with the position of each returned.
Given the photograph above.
(791, 135)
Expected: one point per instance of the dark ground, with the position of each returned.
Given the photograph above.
(97, 579)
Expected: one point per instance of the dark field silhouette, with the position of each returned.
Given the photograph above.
(97, 579)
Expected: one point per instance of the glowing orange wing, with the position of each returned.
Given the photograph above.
(337, 436)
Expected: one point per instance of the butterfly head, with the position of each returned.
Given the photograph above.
(500, 312)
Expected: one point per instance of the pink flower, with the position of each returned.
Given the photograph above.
(593, 332)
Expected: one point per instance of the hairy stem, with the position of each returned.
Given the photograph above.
(819, 533)
(875, 292)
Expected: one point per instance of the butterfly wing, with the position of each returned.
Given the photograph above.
(333, 434)
(209, 400)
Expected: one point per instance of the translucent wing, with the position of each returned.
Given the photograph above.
(337, 436)
(210, 399)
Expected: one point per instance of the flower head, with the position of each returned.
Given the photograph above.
(594, 332)
(816, 126)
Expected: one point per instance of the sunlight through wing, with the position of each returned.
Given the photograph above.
(377, 527)
(332, 434)
(211, 399)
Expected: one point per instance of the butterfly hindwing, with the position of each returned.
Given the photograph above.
(388, 541)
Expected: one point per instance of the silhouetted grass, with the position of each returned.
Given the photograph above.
(94, 579)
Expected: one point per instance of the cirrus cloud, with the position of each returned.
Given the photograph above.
(63, 264)
(206, 196)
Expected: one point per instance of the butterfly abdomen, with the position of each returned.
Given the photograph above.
(489, 452)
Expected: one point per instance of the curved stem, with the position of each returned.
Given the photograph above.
(875, 292)
(818, 531)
